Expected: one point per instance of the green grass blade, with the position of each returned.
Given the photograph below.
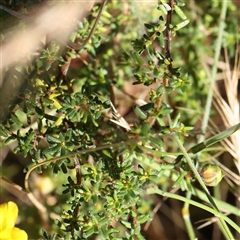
(212, 140)
(155, 190)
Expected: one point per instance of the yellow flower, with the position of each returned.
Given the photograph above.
(8, 217)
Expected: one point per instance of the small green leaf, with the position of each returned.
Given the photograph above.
(89, 232)
(4, 132)
(162, 8)
(179, 179)
(176, 120)
(95, 199)
(136, 57)
(217, 138)
(139, 112)
(126, 224)
(71, 182)
(53, 150)
(104, 220)
(47, 101)
(104, 230)
(148, 26)
(52, 139)
(179, 12)
(45, 235)
(15, 119)
(64, 168)
(56, 169)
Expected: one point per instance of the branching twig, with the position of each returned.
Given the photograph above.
(168, 32)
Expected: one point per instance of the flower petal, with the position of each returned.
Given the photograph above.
(6, 234)
(18, 234)
(8, 215)
(13, 234)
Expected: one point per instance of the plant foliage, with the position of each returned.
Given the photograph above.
(59, 115)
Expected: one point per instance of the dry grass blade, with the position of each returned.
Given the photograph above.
(228, 108)
(119, 120)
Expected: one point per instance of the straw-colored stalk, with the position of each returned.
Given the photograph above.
(229, 109)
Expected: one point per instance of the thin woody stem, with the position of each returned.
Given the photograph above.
(72, 45)
(168, 32)
(114, 145)
(78, 170)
